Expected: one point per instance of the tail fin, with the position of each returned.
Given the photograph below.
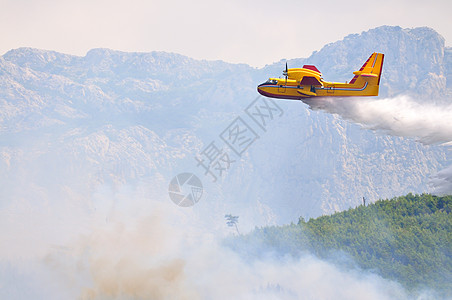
(372, 68)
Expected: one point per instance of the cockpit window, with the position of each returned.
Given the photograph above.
(272, 81)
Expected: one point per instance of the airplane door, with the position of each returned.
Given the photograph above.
(281, 88)
(330, 89)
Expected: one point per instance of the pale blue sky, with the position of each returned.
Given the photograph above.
(252, 32)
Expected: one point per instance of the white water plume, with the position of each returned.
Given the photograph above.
(398, 116)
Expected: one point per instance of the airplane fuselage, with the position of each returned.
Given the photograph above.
(306, 82)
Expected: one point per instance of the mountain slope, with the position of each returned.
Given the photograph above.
(114, 118)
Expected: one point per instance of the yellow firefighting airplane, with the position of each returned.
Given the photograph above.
(306, 82)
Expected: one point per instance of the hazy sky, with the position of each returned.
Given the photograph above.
(252, 32)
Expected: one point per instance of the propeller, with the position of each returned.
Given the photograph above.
(285, 73)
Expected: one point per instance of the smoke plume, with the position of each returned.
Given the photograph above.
(150, 258)
(442, 181)
(131, 247)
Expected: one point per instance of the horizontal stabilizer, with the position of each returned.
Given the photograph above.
(365, 74)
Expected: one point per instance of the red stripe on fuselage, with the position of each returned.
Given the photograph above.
(281, 96)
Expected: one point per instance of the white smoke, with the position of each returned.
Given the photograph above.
(398, 116)
(143, 249)
(442, 181)
(153, 258)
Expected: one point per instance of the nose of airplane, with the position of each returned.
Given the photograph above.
(259, 89)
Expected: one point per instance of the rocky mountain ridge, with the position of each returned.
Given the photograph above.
(75, 124)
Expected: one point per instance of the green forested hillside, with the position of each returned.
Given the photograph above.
(407, 239)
